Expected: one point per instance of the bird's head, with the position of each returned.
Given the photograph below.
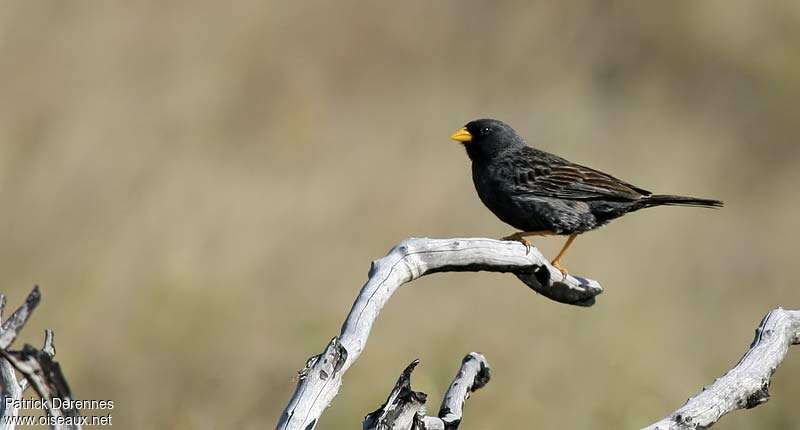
(485, 138)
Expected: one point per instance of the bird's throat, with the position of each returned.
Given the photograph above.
(474, 152)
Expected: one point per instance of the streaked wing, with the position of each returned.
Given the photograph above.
(542, 174)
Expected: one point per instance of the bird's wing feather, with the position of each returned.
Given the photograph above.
(541, 174)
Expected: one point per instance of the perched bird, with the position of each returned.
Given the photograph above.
(542, 194)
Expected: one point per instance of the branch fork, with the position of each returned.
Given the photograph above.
(743, 387)
(38, 368)
(405, 408)
(413, 258)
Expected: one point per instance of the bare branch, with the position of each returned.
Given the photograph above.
(49, 347)
(405, 408)
(747, 384)
(38, 368)
(474, 374)
(11, 388)
(2, 304)
(45, 376)
(23, 384)
(406, 262)
(11, 327)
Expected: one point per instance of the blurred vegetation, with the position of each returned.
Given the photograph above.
(199, 188)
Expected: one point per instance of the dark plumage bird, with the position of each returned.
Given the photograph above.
(542, 194)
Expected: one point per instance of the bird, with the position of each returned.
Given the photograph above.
(542, 194)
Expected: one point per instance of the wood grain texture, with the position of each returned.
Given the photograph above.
(405, 408)
(38, 369)
(747, 384)
(320, 380)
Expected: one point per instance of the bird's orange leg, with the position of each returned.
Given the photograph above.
(520, 237)
(557, 261)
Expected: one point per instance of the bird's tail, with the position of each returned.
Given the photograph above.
(667, 200)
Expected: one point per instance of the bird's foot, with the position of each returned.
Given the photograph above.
(557, 264)
(517, 237)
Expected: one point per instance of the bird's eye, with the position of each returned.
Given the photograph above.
(486, 130)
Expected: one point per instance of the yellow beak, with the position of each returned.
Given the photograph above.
(461, 135)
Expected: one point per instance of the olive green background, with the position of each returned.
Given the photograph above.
(199, 187)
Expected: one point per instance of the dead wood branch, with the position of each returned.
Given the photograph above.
(321, 378)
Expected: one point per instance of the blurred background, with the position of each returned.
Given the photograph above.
(199, 187)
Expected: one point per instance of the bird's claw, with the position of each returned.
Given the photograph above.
(516, 237)
(557, 265)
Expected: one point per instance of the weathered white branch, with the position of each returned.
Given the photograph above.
(405, 408)
(37, 366)
(320, 380)
(747, 384)
(45, 376)
(473, 375)
(11, 389)
(9, 329)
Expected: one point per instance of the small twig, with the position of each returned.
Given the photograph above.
(11, 327)
(23, 384)
(2, 305)
(49, 347)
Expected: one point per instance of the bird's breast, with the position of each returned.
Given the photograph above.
(491, 184)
